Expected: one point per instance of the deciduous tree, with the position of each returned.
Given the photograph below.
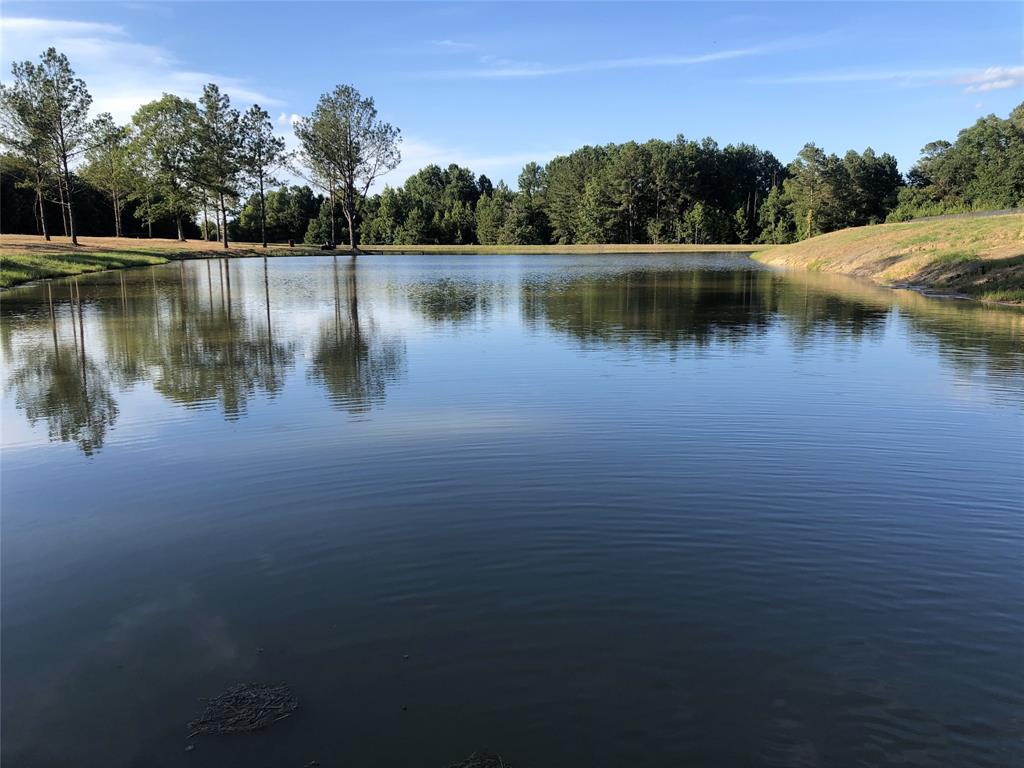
(344, 142)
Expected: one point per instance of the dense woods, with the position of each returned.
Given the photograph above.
(204, 169)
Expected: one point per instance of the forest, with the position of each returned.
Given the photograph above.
(204, 169)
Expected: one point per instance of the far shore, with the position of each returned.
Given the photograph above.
(24, 258)
(976, 258)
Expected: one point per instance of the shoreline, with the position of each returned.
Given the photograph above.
(980, 259)
(28, 259)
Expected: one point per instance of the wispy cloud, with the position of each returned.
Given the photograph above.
(418, 152)
(58, 27)
(121, 73)
(900, 76)
(453, 45)
(993, 79)
(975, 81)
(494, 68)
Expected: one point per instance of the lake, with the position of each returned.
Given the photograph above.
(631, 510)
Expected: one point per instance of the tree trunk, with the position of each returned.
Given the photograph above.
(42, 217)
(224, 219)
(63, 204)
(35, 216)
(333, 238)
(657, 216)
(71, 203)
(263, 214)
(353, 241)
(181, 230)
(117, 199)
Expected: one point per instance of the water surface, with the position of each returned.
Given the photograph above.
(616, 510)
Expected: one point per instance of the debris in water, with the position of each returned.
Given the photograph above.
(246, 707)
(482, 759)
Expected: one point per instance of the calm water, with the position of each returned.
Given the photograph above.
(617, 511)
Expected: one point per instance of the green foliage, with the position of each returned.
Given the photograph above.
(492, 211)
(177, 157)
(45, 114)
(218, 159)
(108, 164)
(875, 182)
(261, 154)
(347, 148)
(324, 227)
(982, 170)
(704, 224)
(162, 153)
(433, 206)
(775, 218)
(647, 192)
(288, 212)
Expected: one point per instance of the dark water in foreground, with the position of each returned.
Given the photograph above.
(618, 511)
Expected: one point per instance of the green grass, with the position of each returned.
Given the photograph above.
(1008, 296)
(21, 267)
(953, 257)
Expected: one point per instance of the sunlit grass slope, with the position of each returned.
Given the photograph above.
(979, 257)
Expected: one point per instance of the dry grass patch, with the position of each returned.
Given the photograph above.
(981, 257)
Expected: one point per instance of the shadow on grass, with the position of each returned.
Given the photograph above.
(977, 277)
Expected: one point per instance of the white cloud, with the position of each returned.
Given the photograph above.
(59, 27)
(121, 74)
(993, 79)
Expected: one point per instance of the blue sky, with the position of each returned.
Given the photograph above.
(495, 85)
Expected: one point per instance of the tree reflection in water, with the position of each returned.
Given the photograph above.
(208, 355)
(59, 384)
(350, 358)
(454, 301)
(694, 308)
(202, 338)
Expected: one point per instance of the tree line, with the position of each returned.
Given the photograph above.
(204, 169)
(177, 158)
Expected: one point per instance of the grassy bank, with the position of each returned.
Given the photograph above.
(21, 267)
(24, 257)
(982, 257)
